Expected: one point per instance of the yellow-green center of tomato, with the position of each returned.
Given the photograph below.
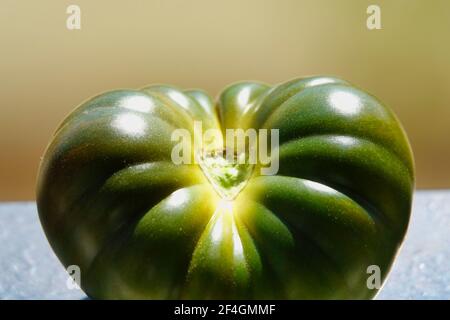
(228, 174)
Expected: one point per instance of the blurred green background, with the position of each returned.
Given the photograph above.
(46, 70)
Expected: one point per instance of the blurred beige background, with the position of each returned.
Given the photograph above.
(47, 70)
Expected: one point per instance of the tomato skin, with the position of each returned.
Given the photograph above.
(111, 201)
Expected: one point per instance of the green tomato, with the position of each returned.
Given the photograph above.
(112, 201)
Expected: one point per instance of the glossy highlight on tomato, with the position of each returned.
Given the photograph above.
(111, 200)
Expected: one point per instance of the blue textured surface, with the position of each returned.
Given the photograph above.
(30, 269)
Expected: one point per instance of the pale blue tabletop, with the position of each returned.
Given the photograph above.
(30, 269)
